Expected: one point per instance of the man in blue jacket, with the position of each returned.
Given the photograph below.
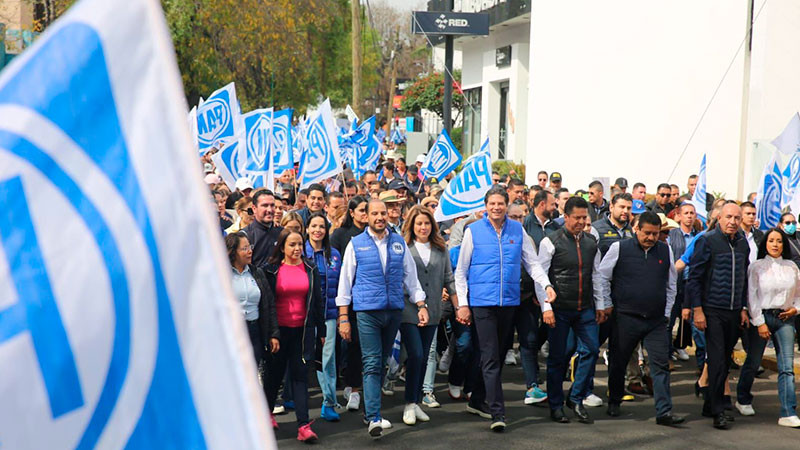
(487, 283)
(376, 266)
(717, 287)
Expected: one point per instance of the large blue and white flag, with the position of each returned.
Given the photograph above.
(118, 325)
(768, 196)
(218, 118)
(699, 197)
(282, 140)
(788, 142)
(442, 158)
(257, 142)
(320, 159)
(368, 151)
(193, 130)
(464, 194)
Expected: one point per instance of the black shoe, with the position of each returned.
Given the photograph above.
(580, 412)
(613, 410)
(728, 417)
(479, 410)
(721, 422)
(498, 424)
(557, 415)
(669, 420)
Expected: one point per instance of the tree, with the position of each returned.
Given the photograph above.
(428, 93)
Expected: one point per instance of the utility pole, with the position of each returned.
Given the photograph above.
(393, 79)
(447, 107)
(355, 8)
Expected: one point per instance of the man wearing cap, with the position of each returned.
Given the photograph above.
(394, 209)
(412, 180)
(243, 189)
(637, 285)
(638, 207)
(622, 184)
(555, 182)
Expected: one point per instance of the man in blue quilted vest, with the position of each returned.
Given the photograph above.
(487, 283)
(375, 268)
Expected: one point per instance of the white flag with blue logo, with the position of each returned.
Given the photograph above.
(228, 162)
(442, 158)
(699, 197)
(320, 158)
(282, 140)
(257, 142)
(464, 194)
(768, 196)
(118, 325)
(218, 118)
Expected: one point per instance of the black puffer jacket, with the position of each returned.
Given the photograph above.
(718, 271)
(267, 317)
(315, 305)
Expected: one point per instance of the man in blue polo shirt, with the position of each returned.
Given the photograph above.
(375, 268)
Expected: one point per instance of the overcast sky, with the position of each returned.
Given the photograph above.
(407, 5)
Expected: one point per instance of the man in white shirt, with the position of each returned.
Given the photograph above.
(376, 266)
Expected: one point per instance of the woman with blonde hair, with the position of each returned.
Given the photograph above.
(244, 213)
(429, 250)
(294, 222)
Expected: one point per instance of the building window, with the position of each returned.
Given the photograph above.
(472, 121)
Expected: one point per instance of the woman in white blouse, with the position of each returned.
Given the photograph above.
(773, 300)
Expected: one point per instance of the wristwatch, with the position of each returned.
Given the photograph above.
(424, 305)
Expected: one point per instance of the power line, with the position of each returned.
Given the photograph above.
(719, 85)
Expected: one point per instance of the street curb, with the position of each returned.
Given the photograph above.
(767, 362)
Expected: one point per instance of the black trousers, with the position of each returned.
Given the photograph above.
(290, 355)
(493, 325)
(259, 350)
(352, 369)
(627, 331)
(722, 331)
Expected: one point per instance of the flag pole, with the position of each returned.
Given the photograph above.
(344, 188)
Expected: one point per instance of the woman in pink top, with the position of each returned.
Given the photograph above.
(300, 308)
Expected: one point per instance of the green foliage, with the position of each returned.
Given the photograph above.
(428, 93)
(504, 167)
(457, 136)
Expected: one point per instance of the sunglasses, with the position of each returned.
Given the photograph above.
(662, 195)
(790, 223)
(249, 211)
(515, 217)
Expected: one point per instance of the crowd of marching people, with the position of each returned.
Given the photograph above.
(355, 280)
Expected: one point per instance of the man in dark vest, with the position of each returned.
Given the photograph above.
(262, 233)
(540, 220)
(487, 281)
(637, 286)
(570, 257)
(717, 287)
(376, 266)
(615, 225)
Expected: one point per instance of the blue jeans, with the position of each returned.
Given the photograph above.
(527, 323)
(430, 369)
(377, 330)
(584, 325)
(327, 376)
(418, 345)
(783, 339)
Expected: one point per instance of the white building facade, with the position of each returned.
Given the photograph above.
(616, 89)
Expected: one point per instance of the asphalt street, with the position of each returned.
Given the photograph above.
(530, 426)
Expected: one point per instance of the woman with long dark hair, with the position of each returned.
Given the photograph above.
(256, 299)
(354, 224)
(773, 300)
(329, 264)
(435, 273)
(300, 310)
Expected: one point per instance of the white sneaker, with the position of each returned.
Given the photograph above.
(347, 391)
(278, 410)
(544, 352)
(409, 417)
(354, 401)
(511, 360)
(388, 388)
(454, 391)
(385, 424)
(605, 357)
(745, 410)
(592, 401)
(791, 421)
(682, 355)
(447, 359)
(420, 414)
(375, 429)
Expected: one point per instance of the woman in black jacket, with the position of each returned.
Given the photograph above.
(300, 310)
(255, 296)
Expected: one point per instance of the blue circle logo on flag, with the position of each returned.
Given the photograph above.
(258, 135)
(213, 120)
(319, 155)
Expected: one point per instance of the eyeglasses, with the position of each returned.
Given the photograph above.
(662, 195)
(495, 180)
(790, 223)
(542, 179)
(433, 205)
(249, 247)
(249, 211)
(515, 217)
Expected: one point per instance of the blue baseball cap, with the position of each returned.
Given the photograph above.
(638, 207)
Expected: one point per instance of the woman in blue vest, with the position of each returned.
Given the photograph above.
(329, 264)
(300, 308)
(434, 272)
